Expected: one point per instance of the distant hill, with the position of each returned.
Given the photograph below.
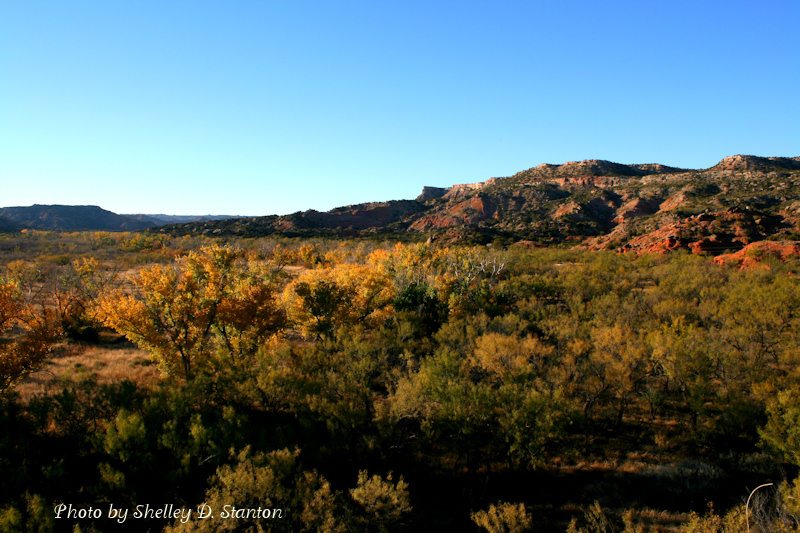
(597, 204)
(87, 218)
(6, 225)
(70, 218)
(160, 220)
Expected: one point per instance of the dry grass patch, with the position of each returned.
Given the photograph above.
(109, 362)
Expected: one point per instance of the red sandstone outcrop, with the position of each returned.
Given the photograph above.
(662, 240)
(760, 253)
(468, 212)
(673, 202)
(463, 188)
(568, 209)
(710, 232)
(603, 182)
(635, 208)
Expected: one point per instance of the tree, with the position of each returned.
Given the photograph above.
(622, 363)
(284, 497)
(273, 492)
(381, 503)
(322, 299)
(21, 352)
(504, 518)
(207, 308)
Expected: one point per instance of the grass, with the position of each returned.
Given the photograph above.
(111, 360)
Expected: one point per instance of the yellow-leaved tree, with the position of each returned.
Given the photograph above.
(25, 336)
(321, 299)
(208, 310)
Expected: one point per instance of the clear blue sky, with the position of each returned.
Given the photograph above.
(266, 107)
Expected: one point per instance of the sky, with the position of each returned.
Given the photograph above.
(196, 107)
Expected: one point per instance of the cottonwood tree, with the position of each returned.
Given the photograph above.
(321, 299)
(26, 336)
(207, 309)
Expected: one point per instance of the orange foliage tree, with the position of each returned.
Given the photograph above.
(208, 308)
(321, 299)
(25, 336)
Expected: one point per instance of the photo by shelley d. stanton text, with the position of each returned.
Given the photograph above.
(166, 511)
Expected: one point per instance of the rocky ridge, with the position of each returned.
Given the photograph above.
(594, 203)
